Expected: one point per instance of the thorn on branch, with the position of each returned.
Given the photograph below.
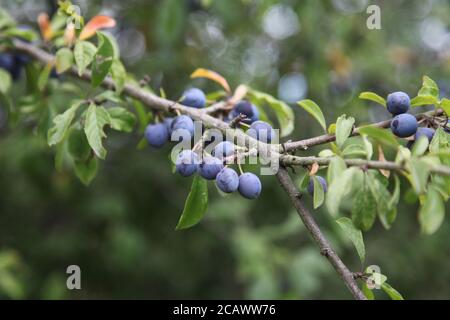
(237, 120)
(144, 81)
(325, 252)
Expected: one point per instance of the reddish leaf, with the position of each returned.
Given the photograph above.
(95, 24)
(45, 26)
(211, 75)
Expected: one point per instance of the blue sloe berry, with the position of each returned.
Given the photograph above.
(404, 125)
(223, 149)
(156, 134)
(249, 185)
(186, 163)
(168, 123)
(427, 132)
(227, 180)
(246, 108)
(261, 131)
(210, 167)
(184, 126)
(321, 180)
(9, 62)
(194, 97)
(398, 103)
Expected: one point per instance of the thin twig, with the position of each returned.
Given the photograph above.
(324, 246)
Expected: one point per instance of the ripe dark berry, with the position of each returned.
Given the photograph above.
(223, 149)
(9, 62)
(404, 125)
(156, 134)
(249, 185)
(246, 108)
(186, 163)
(398, 103)
(261, 131)
(210, 167)
(194, 98)
(183, 127)
(427, 132)
(321, 180)
(168, 123)
(227, 180)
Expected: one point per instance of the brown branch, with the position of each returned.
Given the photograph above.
(325, 247)
(326, 138)
(289, 160)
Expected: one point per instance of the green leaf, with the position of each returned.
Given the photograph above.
(423, 101)
(420, 146)
(24, 34)
(420, 171)
(382, 136)
(61, 124)
(367, 292)
(170, 21)
(441, 140)
(5, 81)
(355, 236)
(78, 146)
(96, 119)
(319, 194)
(335, 168)
(373, 97)
(283, 112)
(304, 181)
(5, 19)
(382, 197)
(103, 59)
(64, 60)
(429, 88)
(393, 202)
(432, 212)
(339, 187)
(196, 204)
(445, 105)
(313, 109)
(44, 76)
(391, 292)
(84, 53)
(121, 119)
(86, 170)
(119, 75)
(354, 150)
(364, 209)
(367, 146)
(344, 127)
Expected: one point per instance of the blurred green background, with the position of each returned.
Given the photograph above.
(121, 229)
